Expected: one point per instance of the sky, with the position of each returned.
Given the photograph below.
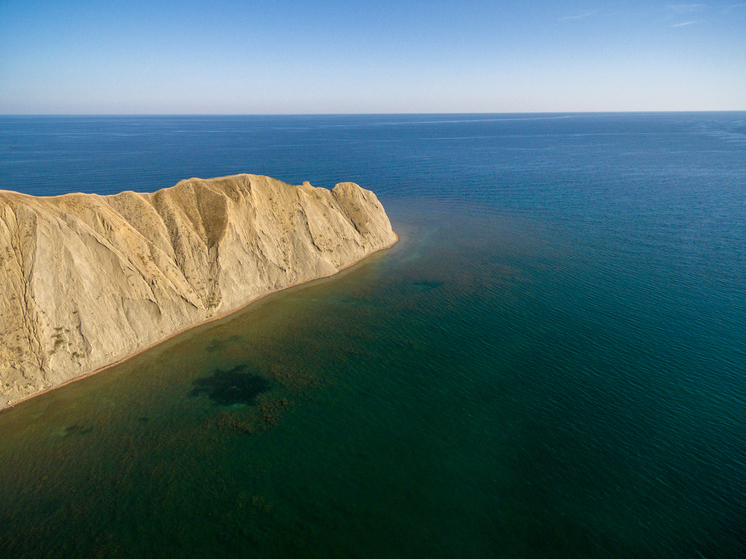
(387, 56)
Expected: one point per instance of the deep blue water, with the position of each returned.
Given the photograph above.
(551, 363)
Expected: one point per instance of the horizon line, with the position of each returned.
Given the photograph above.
(2, 115)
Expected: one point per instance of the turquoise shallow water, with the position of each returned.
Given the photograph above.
(549, 364)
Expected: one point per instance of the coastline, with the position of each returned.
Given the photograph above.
(204, 322)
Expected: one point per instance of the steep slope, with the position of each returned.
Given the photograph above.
(87, 280)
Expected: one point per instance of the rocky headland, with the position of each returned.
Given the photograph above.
(88, 280)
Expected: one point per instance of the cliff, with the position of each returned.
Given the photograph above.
(88, 280)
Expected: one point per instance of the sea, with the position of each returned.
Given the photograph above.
(551, 362)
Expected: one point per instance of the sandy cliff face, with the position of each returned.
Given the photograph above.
(87, 280)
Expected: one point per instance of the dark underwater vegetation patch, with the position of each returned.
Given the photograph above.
(427, 285)
(77, 430)
(226, 388)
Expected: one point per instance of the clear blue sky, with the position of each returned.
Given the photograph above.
(387, 56)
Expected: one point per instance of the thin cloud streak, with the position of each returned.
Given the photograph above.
(684, 24)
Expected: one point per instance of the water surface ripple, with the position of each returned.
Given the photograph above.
(549, 364)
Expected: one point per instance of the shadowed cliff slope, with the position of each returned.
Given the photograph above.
(88, 280)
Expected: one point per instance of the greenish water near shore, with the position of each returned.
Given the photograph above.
(287, 428)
